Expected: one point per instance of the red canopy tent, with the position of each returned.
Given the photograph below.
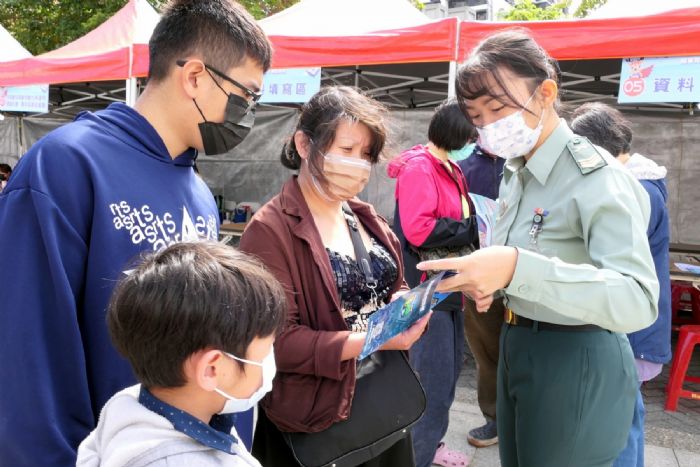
(673, 33)
(431, 42)
(589, 50)
(582, 46)
(115, 50)
(118, 49)
(358, 32)
(367, 43)
(351, 33)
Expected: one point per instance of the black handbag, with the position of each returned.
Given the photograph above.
(387, 402)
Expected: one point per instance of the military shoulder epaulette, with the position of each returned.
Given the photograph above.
(585, 155)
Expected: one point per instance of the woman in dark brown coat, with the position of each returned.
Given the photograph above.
(303, 238)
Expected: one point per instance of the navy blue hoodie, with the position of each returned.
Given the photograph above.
(81, 205)
(653, 344)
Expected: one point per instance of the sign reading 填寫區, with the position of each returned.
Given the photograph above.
(672, 79)
(291, 85)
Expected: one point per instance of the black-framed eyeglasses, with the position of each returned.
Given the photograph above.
(252, 95)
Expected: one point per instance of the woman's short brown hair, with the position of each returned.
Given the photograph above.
(319, 120)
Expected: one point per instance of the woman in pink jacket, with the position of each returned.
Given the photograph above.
(434, 218)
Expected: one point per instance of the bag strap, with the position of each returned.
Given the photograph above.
(361, 255)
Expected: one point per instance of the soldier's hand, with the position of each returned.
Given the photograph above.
(479, 274)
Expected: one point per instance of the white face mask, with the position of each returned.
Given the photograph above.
(269, 369)
(510, 136)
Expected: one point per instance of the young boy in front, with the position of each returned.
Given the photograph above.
(131, 188)
(196, 322)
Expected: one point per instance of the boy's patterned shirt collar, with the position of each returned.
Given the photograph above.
(216, 435)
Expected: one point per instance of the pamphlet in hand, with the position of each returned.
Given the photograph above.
(401, 314)
(486, 210)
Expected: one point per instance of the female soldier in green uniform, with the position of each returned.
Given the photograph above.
(574, 264)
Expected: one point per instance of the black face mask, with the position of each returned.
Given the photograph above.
(239, 118)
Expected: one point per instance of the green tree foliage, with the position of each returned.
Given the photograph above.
(526, 10)
(44, 25)
(587, 6)
(262, 8)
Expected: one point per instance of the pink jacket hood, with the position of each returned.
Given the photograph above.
(418, 154)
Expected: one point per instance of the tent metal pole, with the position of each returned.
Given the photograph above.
(20, 129)
(131, 91)
(131, 81)
(451, 80)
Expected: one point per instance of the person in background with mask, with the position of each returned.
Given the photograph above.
(572, 259)
(434, 218)
(197, 362)
(483, 172)
(132, 190)
(303, 237)
(607, 128)
(5, 172)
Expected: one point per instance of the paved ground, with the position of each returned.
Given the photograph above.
(672, 438)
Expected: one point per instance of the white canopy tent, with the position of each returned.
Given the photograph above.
(11, 49)
(10, 141)
(342, 18)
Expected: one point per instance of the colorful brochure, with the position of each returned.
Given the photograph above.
(399, 315)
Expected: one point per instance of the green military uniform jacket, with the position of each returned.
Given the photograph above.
(589, 263)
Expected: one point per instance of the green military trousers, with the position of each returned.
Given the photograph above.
(564, 398)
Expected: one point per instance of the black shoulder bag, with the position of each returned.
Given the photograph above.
(388, 400)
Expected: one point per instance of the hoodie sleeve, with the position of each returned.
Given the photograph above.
(45, 407)
(418, 207)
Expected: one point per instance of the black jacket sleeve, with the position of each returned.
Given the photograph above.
(450, 232)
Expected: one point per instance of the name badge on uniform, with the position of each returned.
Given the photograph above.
(536, 228)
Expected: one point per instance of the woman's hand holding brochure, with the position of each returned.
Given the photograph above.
(399, 324)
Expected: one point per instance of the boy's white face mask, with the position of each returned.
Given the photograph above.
(269, 369)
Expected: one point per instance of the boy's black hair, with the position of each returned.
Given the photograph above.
(221, 32)
(449, 129)
(604, 126)
(190, 297)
